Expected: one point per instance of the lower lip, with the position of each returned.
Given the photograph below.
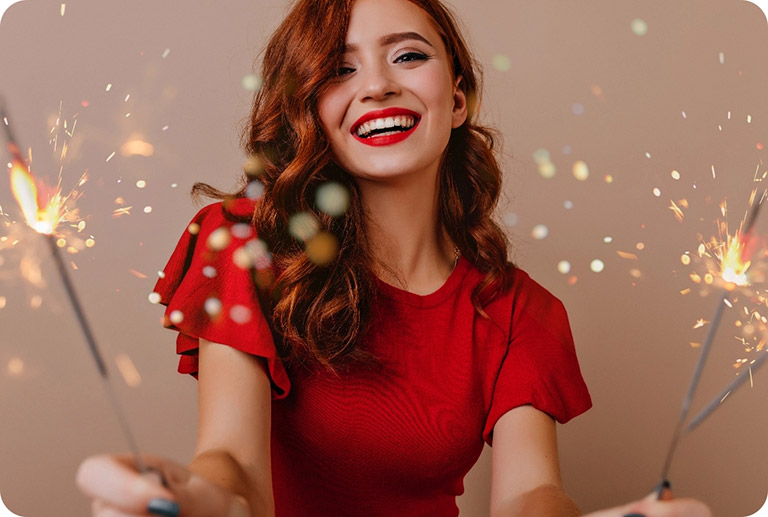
(379, 141)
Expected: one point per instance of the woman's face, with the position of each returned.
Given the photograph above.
(390, 111)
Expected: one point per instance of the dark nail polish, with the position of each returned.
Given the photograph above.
(634, 515)
(158, 506)
(663, 485)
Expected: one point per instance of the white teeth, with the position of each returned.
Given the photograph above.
(400, 121)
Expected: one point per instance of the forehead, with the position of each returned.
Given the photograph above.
(370, 19)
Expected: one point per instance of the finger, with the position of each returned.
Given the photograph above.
(118, 485)
(100, 509)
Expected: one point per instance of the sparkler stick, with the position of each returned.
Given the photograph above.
(47, 228)
(744, 240)
(718, 400)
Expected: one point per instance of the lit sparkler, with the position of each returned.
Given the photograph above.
(732, 254)
(44, 213)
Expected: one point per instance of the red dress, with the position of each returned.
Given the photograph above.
(398, 438)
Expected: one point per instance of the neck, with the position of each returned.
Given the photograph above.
(410, 247)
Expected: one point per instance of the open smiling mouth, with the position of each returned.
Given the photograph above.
(386, 130)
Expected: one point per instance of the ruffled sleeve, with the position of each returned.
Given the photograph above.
(209, 288)
(540, 367)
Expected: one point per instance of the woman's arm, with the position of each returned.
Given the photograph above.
(525, 478)
(234, 422)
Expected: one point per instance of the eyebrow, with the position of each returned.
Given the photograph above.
(390, 39)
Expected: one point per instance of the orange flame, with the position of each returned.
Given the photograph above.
(43, 219)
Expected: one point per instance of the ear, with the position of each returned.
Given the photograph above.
(459, 105)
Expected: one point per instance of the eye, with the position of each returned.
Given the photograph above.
(411, 56)
(344, 70)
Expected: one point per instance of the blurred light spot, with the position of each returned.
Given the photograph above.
(580, 170)
(254, 190)
(540, 155)
(15, 367)
(675, 175)
(240, 314)
(90, 243)
(685, 115)
(165, 128)
(128, 370)
(539, 232)
(607, 239)
(141, 184)
(501, 63)
(564, 267)
(639, 27)
(193, 228)
(640, 246)
(547, 169)
(608, 178)
(63, 9)
(577, 108)
(176, 317)
(36, 301)
(722, 58)
(597, 265)
(332, 198)
(218, 239)
(137, 146)
(212, 307)
(568, 204)
(241, 231)
(3, 301)
(166, 53)
(251, 82)
(510, 219)
(322, 248)
(303, 226)
(647, 155)
(635, 273)
(597, 91)
(685, 259)
(209, 271)
(154, 297)
(137, 274)
(656, 192)
(147, 209)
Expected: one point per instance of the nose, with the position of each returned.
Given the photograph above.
(377, 82)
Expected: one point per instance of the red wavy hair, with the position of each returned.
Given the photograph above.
(320, 312)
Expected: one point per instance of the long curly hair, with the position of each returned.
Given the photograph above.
(320, 312)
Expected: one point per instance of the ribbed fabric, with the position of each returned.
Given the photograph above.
(397, 438)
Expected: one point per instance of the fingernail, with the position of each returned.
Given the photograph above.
(158, 506)
(634, 515)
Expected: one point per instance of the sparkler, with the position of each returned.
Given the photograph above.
(733, 268)
(44, 220)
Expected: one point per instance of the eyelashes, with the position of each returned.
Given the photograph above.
(407, 57)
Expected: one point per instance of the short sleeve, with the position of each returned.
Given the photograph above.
(209, 288)
(540, 367)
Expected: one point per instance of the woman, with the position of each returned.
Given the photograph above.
(398, 337)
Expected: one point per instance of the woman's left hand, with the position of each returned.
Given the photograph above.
(651, 506)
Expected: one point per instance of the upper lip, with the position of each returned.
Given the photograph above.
(383, 113)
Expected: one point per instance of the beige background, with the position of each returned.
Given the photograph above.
(632, 332)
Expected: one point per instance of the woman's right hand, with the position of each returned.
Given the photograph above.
(119, 490)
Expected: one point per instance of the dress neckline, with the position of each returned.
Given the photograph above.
(431, 299)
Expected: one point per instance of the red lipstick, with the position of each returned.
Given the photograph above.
(382, 140)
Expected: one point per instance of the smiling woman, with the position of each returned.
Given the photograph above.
(367, 381)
